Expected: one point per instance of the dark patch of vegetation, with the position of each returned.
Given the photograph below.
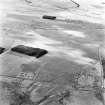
(103, 65)
(1, 50)
(30, 51)
(49, 17)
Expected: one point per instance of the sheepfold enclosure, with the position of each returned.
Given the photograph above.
(56, 90)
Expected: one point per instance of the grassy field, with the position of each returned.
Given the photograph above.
(72, 42)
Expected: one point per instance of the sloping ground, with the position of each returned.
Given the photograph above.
(72, 40)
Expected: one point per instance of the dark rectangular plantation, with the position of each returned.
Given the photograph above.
(30, 51)
(49, 17)
(1, 50)
(103, 66)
